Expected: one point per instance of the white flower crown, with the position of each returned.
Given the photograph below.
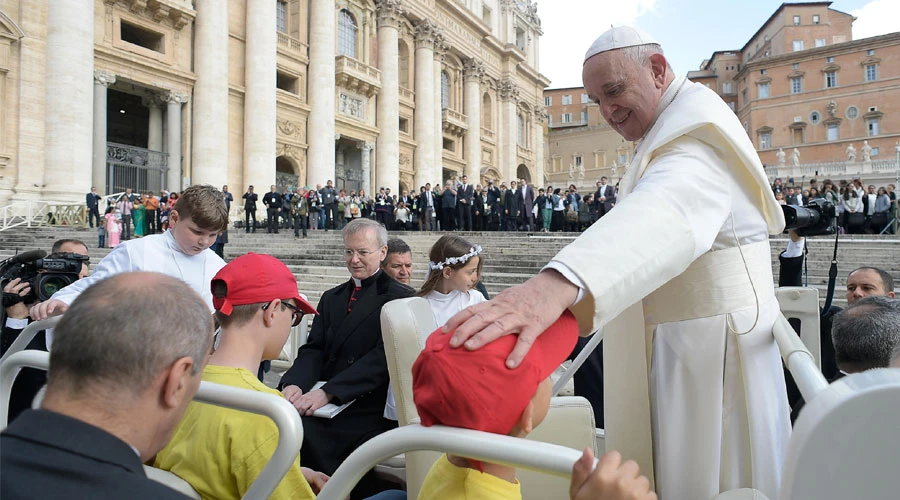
(449, 261)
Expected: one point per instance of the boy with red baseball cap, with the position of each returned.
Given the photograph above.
(221, 451)
(475, 390)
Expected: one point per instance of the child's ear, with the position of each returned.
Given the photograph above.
(526, 420)
(446, 272)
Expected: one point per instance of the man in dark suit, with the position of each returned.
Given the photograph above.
(492, 198)
(605, 197)
(273, 202)
(511, 207)
(465, 194)
(525, 197)
(92, 200)
(346, 350)
(427, 208)
(250, 199)
(82, 445)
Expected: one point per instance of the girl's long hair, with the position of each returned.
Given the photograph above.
(447, 246)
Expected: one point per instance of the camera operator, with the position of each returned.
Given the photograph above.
(29, 380)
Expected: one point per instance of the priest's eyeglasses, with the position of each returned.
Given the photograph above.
(363, 253)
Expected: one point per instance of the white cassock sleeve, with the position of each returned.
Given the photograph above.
(116, 262)
(670, 218)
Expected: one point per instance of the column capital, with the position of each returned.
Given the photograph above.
(508, 90)
(153, 100)
(175, 98)
(474, 70)
(389, 13)
(104, 78)
(440, 50)
(366, 146)
(428, 34)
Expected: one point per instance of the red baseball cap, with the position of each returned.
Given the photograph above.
(255, 278)
(475, 389)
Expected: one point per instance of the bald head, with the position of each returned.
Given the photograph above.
(98, 349)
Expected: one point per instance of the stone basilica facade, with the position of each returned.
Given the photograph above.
(160, 94)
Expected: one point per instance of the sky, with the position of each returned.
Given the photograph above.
(689, 31)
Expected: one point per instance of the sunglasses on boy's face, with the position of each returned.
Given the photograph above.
(298, 314)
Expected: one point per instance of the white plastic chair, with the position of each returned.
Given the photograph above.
(405, 324)
(802, 303)
(290, 429)
(526, 455)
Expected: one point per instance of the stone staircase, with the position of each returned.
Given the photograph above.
(510, 258)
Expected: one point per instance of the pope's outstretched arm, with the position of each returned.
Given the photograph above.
(649, 238)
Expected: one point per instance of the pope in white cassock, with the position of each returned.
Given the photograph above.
(685, 292)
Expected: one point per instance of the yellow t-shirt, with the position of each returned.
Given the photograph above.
(446, 481)
(220, 451)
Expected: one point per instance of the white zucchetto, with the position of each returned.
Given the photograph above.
(618, 38)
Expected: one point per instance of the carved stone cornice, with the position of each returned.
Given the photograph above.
(428, 34)
(508, 90)
(474, 70)
(178, 12)
(104, 78)
(389, 13)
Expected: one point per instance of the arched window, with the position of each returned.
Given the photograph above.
(486, 113)
(445, 90)
(521, 130)
(347, 29)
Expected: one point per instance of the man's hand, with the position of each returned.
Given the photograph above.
(527, 310)
(611, 480)
(315, 479)
(17, 287)
(308, 403)
(44, 310)
(292, 393)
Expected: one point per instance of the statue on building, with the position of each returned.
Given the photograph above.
(779, 156)
(571, 170)
(851, 153)
(832, 108)
(581, 171)
(795, 158)
(866, 151)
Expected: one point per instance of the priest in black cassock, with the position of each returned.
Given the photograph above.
(346, 350)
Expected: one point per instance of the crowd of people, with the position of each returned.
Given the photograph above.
(457, 205)
(860, 208)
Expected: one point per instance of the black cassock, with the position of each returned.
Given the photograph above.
(346, 350)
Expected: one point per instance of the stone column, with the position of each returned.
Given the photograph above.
(173, 139)
(366, 148)
(210, 118)
(259, 98)
(320, 89)
(474, 71)
(154, 123)
(387, 149)
(68, 135)
(508, 133)
(539, 147)
(437, 175)
(102, 81)
(427, 33)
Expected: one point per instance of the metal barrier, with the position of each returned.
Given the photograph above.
(140, 169)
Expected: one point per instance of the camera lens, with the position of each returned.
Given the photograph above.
(51, 283)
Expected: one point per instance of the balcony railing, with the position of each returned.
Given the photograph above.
(292, 44)
(487, 134)
(129, 167)
(454, 122)
(523, 151)
(578, 123)
(407, 96)
(834, 169)
(356, 76)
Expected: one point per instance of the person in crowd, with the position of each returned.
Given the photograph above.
(854, 218)
(139, 216)
(83, 443)
(512, 211)
(30, 380)
(92, 201)
(151, 204)
(427, 205)
(559, 211)
(713, 377)
(525, 199)
(257, 303)
(197, 218)
(219, 246)
(479, 216)
(494, 201)
(287, 220)
(228, 197)
(364, 204)
(865, 336)
(398, 263)
(346, 351)
(881, 210)
(315, 205)
(384, 206)
(344, 206)
(125, 205)
(454, 269)
(250, 199)
(113, 226)
(402, 217)
(464, 196)
(476, 390)
(605, 197)
(300, 212)
(449, 201)
(329, 196)
(272, 200)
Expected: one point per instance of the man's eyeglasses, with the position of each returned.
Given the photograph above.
(349, 253)
(298, 314)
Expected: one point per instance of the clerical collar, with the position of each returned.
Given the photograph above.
(667, 98)
(365, 282)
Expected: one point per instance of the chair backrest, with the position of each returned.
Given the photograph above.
(405, 324)
(290, 428)
(846, 440)
(803, 304)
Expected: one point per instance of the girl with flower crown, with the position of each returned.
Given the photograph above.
(454, 270)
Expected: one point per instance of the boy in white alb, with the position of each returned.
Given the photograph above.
(182, 252)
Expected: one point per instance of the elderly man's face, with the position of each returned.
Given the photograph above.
(627, 93)
(363, 254)
(864, 283)
(399, 266)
